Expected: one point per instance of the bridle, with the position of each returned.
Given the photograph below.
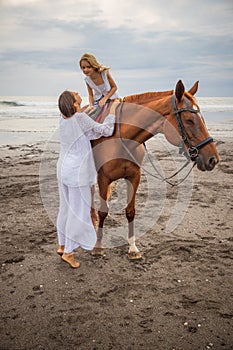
(192, 151)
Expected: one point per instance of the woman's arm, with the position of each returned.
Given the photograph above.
(94, 130)
(113, 107)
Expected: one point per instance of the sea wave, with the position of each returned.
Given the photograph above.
(211, 104)
(28, 104)
(11, 104)
(216, 108)
(28, 101)
(216, 104)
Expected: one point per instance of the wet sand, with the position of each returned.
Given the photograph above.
(179, 296)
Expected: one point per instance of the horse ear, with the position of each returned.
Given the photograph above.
(179, 90)
(194, 89)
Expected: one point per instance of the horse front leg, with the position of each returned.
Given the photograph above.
(132, 186)
(102, 214)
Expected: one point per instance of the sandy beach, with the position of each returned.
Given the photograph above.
(178, 297)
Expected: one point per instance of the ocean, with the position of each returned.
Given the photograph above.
(32, 119)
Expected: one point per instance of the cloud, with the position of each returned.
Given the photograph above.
(148, 46)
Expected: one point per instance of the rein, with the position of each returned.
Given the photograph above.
(158, 175)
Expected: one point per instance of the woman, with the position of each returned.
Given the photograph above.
(76, 175)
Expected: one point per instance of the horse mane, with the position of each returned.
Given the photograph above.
(147, 97)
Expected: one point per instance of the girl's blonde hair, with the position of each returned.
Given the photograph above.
(93, 62)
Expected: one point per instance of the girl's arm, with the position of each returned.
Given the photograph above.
(91, 97)
(111, 92)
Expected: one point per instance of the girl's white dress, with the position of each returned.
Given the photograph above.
(76, 173)
(101, 90)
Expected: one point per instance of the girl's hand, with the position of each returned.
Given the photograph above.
(102, 102)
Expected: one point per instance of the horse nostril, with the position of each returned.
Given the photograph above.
(212, 162)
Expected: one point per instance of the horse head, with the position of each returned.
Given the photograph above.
(185, 127)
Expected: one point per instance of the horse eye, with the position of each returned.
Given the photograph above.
(190, 121)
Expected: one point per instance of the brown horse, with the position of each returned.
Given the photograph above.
(138, 118)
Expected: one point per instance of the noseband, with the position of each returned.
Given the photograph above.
(192, 150)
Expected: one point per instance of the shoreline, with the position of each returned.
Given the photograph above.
(19, 138)
(18, 130)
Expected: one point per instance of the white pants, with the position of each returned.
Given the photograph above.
(74, 224)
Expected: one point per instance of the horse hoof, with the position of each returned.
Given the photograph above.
(134, 255)
(98, 251)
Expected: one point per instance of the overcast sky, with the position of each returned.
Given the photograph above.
(149, 44)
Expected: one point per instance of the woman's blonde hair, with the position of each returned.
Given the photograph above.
(93, 62)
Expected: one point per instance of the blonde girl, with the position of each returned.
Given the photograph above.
(100, 84)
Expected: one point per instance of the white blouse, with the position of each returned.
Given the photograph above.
(101, 90)
(75, 166)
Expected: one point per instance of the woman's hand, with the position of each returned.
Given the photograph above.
(113, 107)
(87, 109)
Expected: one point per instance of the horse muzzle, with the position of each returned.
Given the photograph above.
(203, 161)
(205, 164)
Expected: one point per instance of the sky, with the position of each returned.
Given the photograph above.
(148, 44)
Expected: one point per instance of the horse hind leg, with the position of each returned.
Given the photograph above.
(102, 214)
